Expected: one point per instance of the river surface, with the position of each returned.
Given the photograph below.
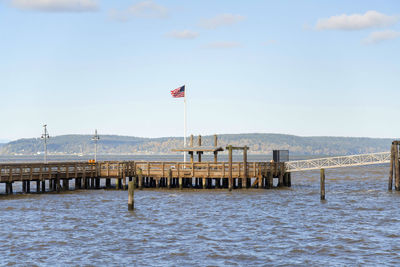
(358, 225)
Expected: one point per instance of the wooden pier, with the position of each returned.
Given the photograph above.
(61, 176)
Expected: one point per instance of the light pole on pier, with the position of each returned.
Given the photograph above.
(45, 136)
(95, 138)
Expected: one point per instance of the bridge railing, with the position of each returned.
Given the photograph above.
(338, 162)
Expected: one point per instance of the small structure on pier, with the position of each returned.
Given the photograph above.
(200, 149)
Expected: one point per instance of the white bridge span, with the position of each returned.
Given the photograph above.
(338, 162)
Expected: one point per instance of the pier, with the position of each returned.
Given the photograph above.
(62, 176)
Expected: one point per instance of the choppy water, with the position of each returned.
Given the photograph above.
(358, 225)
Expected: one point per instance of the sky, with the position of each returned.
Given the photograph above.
(306, 68)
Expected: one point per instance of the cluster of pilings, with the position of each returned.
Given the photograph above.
(394, 167)
(58, 185)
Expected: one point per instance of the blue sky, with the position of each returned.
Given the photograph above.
(297, 67)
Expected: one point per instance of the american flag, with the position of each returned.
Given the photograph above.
(178, 92)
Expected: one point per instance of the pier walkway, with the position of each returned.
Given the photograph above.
(338, 162)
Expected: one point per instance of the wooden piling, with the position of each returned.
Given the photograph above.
(322, 184)
(43, 186)
(396, 166)
(9, 188)
(65, 184)
(140, 178)
(215, 145)
(245, 184)
(270, 180)
(24, 186)
(57, 182)
(281, 173)
(230, 169)
(108, 183)
(131, 195)
(390, 183)
(37, 186)
(169, 178)
(180, 183)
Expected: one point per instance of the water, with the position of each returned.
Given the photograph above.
(358, 224)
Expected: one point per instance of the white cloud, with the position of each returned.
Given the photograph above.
(56, 5)
(377, 37)
(223, 45)
(371, 19)
(185, 34)
(221, 20)
(144, 9)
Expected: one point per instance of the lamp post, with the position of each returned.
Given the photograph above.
(45, 136)
(95, 138)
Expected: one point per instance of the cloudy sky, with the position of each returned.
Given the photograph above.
(295, 67)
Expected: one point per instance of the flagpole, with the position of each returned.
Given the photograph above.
(184, 126)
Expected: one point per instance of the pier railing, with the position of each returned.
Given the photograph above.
(206, 169)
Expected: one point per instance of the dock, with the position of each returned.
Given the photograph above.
(62, 176)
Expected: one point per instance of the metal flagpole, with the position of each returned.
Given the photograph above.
(184, 127)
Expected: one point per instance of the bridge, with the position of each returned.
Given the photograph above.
(338, 162)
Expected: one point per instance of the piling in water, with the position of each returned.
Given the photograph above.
(131, 195)
(322, 184)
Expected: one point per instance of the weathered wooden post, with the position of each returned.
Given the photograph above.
(230, 178)
(396, 167)
(199, 152)
(140, 178)
(117, 183)
(24, 186)
(281, 173)
(131, 192)
(191, 153)
(37, 186)
(123, 173)
(58, 184)
(322, 182)
(180, 183)
(169, 178)
(390, 184)
(270, 179)
(44, 185)
(215, 145)
(245, 182)
(9, 188)
(65, 184)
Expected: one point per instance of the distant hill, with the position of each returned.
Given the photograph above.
(258, 143)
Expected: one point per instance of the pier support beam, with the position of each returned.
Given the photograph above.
(108, 183)
(396, 167)
(43, 186)
(24, 186)
(140, 179)
(131, 192)
(65, 184)
(230, 169)
(9, 188)
(390, 184)
(37, 186)
(322, 184)
(169, 178)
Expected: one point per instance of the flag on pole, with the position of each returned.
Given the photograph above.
(178, 92)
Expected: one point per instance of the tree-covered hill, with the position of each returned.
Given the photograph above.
(258, 143)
